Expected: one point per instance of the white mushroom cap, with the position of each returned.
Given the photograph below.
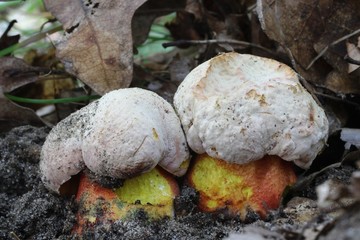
(241, 107)
(123, 134)
(131, 132)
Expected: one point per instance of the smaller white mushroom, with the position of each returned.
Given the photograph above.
(123, 134)
(240, 108)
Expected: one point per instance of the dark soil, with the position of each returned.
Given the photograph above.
(29, 211)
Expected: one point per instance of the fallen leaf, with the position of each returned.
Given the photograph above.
(297, 25)
(342, 83)
(97, 46)
(186, 26)
(260, 38)
(314, 33)
(353, 52)
(14, 73)
(13, 115)
(227, 19)
(147, 13)
(343, 19)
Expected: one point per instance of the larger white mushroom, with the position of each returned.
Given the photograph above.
(242, 108)
(123, 134)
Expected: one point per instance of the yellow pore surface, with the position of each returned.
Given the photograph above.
(153, 192)
(155, 187)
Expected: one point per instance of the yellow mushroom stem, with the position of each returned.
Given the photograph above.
(236, 188)
(152, 192)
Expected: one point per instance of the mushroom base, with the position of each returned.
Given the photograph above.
(150, 195)
(237, 189)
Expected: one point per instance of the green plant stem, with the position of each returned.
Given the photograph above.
(5, 5)
(50, 101)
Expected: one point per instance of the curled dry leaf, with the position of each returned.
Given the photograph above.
(97, 46)
(15, 73)
(296, 25)
(339, 28)
(353, 52)
(342, 83)
(147, 13)
(314, 30)
(13, 115)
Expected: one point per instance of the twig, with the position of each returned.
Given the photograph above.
(330, 45)
(11, 24)
(215, 41)
(14, 236)
(251, 8)
(351, 60)
(39, 36)
(338, 99)
(30, 40)
(37, 71)
(291, 56)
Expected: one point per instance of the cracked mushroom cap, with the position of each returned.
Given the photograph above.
(123, 134)
(239, 108)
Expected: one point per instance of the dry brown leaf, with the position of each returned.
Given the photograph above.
(186, 26)
(343, 19)
(13, 115)
(227, 19)
(342, 83)
(97, 46)
(305, 28)
(15, 73)
(296, 25)
(218, 25)
(148, 12)
(353, 52)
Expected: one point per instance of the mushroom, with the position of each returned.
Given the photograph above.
(131, 134)
(123, 134)
(243, 111)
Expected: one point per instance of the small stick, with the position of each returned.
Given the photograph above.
(215, 41)
(351, 60)
(331, 44)
(30, 40)
(14, 236)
